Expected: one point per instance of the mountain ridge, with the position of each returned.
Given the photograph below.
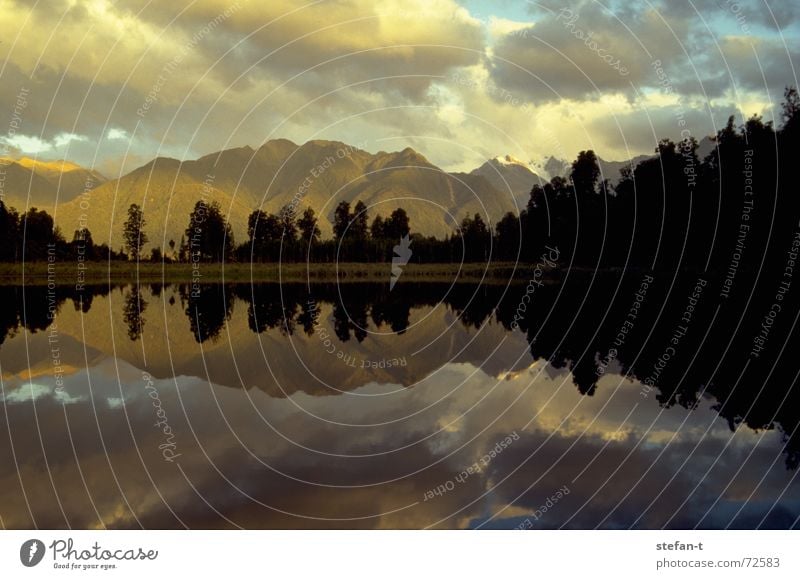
(317, 174)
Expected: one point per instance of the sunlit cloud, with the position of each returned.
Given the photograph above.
(33, 145)
(219, 74)
(115, 134)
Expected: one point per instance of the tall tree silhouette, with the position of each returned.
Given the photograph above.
(9, 233)
(133, 231)
(209, 236)
(341, 220)
(309, 231)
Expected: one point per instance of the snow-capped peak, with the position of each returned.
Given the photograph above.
(509, 160)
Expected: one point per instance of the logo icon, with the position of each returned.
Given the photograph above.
(32, 552)
(402, 254)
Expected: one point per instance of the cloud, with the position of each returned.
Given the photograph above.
(217, 74)
(115, 134)
(583, 51)
(33, 145)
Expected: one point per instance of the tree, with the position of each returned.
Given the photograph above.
(39, 235)
(82, 244)
(476, 238)
(397, 226)
(790, 109)
(133, 231)
(359, 228)
(183, 250)
(378, 228)
(210, 236)
(585, 172)
(308, 226)
(9, 233)
(263, 230)
(508, 241)
(341, 220)
(287, 225)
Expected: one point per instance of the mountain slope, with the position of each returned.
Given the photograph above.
(509, 176)
(34, 183)
(317, 174)
(166, 194)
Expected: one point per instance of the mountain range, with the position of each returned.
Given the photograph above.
(43, 184)
(318, 174)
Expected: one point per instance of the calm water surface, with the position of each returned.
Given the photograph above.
(428, 406)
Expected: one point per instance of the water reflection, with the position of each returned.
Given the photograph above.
(429, 405)
(133, 312)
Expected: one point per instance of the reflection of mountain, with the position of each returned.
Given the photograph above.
(287, 339)
(278, 339)
(262, 462)
(475, 384)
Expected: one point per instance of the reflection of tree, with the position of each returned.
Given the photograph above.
(473, 304)
(575, 325)
(36, 307)
(267, 308)
(208, 307)
(350, 315)
(341, 322)
(40, 306)
(132, 312)
(575, 328)
(9, 315)
(83, 300)
(308, 316)
(394, 312)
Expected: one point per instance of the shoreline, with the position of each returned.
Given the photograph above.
(93, 273)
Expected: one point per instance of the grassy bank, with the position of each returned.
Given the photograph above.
(67, 273)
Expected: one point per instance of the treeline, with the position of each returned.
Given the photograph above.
(733, 208)
(208, 237)
(671, 210)
(32, 236)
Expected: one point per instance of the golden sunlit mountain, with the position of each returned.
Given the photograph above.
(43, 184)
(319, 174)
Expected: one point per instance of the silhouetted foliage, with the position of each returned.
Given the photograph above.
(309, 231)
(133, 312)
(133, 231)
(208, 307)
(9, 233)
(209, 236)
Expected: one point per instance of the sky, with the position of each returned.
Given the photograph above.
(112, 84)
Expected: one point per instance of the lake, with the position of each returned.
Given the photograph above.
(639, 401)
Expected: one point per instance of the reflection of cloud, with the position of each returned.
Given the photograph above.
(32, 391)
(418, 437)
(27, 392)
(114, 403)
(573, 440)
